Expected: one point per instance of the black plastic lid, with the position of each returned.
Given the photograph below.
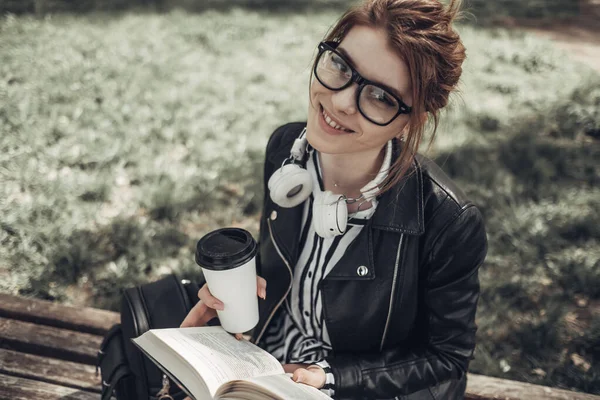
(225, 248)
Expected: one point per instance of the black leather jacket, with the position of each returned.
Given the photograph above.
(406, 328)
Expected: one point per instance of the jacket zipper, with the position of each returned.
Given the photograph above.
(387, 322)
(287, 264)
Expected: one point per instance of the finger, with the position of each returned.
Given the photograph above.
(208, 299)
(308, 377)
(199, 315)
(261, 287)
(300, 376)
(290, 368)
(192, 318)
(319, 377)
(206, 315)
(239, 336)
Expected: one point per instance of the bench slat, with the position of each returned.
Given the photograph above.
(480, 387)
(51, 370)
(49, 341)
(15, 388)
(90, 320)
(55, 332)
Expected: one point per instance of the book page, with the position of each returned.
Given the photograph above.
(218, 356)
(270, 387)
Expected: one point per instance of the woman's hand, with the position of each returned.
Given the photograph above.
(206, 308)
(311, 375)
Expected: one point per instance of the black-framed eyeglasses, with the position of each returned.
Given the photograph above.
(374, 101)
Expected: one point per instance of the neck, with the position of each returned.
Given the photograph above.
(347, 173)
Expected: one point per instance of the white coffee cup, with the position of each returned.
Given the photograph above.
(228, 260)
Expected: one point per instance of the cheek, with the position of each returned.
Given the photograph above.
(316, 89)
(398, 128)
(379, 136)
(312, 95)
(317, 94)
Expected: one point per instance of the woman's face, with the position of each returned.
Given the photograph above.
(366, 48)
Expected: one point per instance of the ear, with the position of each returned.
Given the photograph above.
(403, 132)
(421, 120)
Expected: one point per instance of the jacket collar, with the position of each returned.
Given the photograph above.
(400, 209)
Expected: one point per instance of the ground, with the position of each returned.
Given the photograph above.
(579, 35)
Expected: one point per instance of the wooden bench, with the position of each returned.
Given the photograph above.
(48, 351)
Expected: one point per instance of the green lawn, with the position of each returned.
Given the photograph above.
(124, 138)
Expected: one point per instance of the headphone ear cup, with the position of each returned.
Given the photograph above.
(290, 185)
(330, 214)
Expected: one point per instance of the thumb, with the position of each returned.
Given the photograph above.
(299, 375)
(306, 377)
(312, 375)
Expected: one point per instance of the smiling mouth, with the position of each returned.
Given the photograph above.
(332, 123)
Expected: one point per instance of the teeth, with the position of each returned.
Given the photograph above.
(332, 123)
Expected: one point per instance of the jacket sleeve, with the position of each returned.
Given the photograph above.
(450, 302)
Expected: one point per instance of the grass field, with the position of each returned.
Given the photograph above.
(124, 138)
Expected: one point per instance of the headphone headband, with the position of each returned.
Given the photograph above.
(299, 147)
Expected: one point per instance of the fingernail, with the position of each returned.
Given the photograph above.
(263, 294)
(219, 306)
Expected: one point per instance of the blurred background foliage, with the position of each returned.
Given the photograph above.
(483, 10)
(125, 136)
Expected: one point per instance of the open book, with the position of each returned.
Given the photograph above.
(210, 363)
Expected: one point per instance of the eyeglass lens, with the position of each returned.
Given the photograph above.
(375, 103)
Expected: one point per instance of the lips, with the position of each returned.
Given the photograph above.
(331, 123)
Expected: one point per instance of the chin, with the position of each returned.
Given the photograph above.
(322, 141)
(318, 139)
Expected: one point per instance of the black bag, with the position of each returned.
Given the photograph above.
(126, 372)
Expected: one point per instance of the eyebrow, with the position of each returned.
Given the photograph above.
(353, 64)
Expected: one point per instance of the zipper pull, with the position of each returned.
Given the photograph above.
(163, 394)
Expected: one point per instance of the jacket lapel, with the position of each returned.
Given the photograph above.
(399, 210)
(285, 222)
(358, 262)
(285, 227)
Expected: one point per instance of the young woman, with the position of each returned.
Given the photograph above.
(370, 252)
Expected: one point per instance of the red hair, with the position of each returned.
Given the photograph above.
(421, 33)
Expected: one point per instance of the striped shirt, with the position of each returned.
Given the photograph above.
(298, 333)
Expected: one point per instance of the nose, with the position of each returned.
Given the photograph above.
(344, 101)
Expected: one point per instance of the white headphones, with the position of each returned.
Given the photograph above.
(291, 184)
